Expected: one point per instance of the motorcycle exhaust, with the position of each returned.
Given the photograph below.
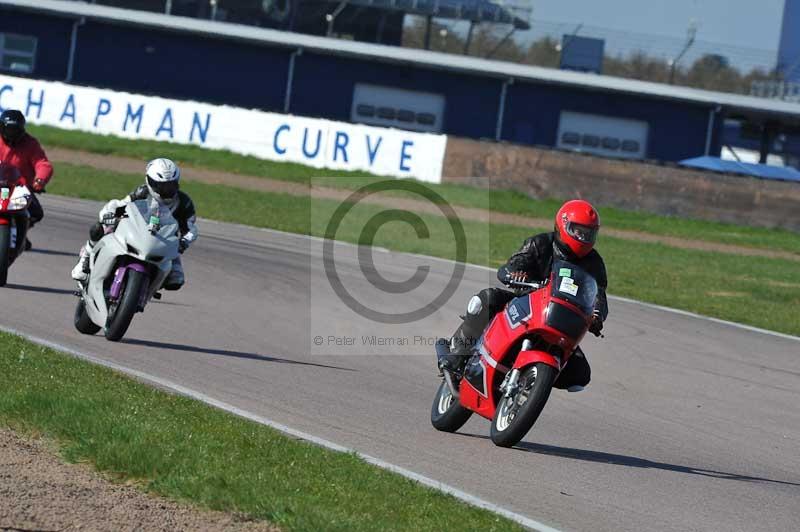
(442, 350)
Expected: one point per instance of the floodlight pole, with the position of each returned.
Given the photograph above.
(168, 7)
(501, 43)
(689, 42)
(331, 17)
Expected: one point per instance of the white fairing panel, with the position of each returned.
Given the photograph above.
(132, 238)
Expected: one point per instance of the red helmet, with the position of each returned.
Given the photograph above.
(577, 224)
(9, 175)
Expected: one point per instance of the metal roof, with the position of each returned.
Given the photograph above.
(474, 10)
(752, 107)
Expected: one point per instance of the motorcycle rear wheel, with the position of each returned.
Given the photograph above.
(83, 324)
(447, 414)
(512, 419)
(5, 253)
(120, 319)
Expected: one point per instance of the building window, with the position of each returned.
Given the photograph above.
(365, 110)
(631, 146)
(611, 143)
(17, 52)
(570, 137)
(591, 141)
(426, 119)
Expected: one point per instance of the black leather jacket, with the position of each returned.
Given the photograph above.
(535, 258)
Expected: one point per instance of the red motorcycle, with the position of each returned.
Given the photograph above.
(14, 220)
(515, 362)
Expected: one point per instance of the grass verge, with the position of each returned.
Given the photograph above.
(185, 450)
(502, 201)
(714, 284)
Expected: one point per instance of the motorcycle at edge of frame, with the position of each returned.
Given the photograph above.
(14, 222)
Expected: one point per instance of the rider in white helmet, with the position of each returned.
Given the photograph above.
(162, 182)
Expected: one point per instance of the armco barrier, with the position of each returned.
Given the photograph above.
(272, 136)
(633, 185)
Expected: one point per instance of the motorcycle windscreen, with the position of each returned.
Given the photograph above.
(574, 285)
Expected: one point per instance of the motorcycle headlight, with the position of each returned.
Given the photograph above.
(19, 203)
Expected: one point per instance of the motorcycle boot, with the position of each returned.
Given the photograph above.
(81, 270)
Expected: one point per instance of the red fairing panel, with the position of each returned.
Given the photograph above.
(526, 358)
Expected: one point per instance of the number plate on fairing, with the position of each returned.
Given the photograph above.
(518, 310)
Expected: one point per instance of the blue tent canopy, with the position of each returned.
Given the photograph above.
(763, 171)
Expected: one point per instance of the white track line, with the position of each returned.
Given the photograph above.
(199, 396)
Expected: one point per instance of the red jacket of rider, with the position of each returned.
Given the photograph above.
(29, 158)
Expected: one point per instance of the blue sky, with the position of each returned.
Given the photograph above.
(745, 23)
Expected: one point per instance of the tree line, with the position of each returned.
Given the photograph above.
(710, 71)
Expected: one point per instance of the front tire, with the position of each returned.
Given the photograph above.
(82, 321)
(120, 319)
(5, 253)
(447, 414)
(515, 415)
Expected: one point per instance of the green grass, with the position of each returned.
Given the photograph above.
(715, 284)
(185, 450)
(503, 201)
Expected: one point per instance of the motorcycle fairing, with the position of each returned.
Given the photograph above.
(554, 318)
(14, 203)
(526, 358)
(131, 242)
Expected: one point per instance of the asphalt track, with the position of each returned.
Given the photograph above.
(688, 424)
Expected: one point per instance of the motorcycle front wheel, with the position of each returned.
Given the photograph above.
(515, 415)
(83, 324)
(5, 252)
(121, 314)
(447, 414)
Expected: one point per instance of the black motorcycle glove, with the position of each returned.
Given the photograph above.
(597, 323)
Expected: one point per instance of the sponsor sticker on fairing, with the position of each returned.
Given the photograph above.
(568, 286)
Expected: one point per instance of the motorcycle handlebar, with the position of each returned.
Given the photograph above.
(523, 284)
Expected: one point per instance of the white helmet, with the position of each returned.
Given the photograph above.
(163, 177)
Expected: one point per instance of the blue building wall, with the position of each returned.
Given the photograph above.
(53, 40)
(472, 102)
(183, 66)
(677, 130)
(198, 67)
(789, 50)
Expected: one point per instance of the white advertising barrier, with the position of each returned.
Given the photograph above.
(272, 136)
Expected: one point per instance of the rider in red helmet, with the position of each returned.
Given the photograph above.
(576, 226)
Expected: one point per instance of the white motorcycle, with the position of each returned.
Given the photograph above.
(127, 269)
